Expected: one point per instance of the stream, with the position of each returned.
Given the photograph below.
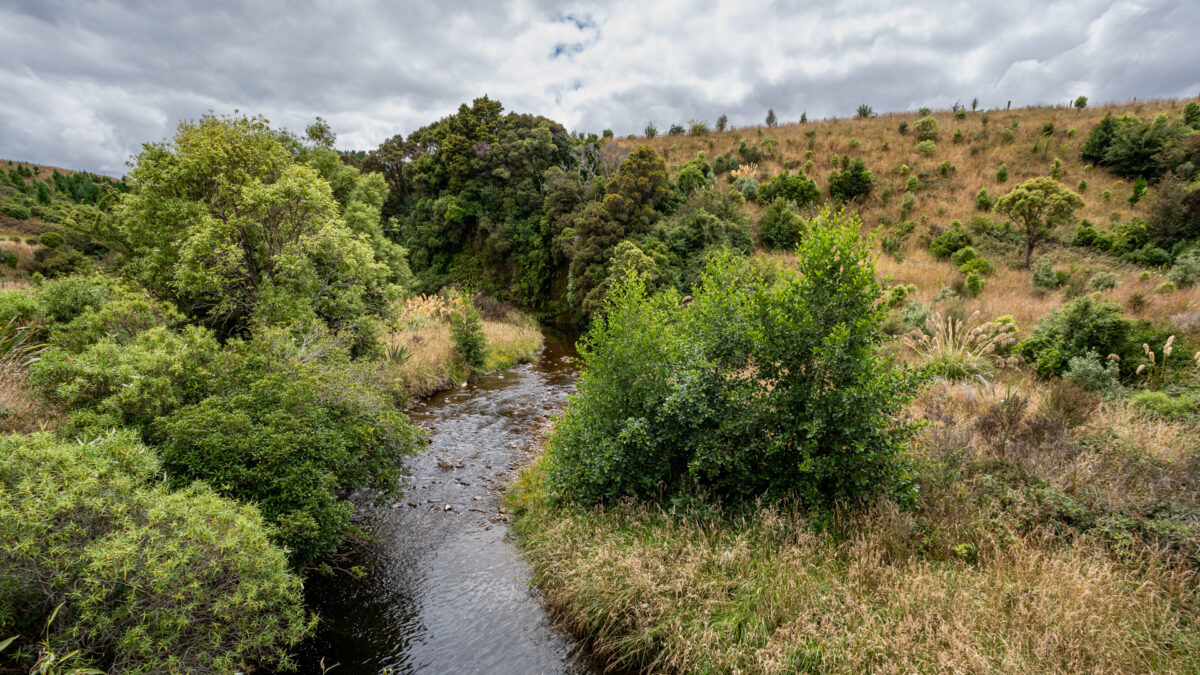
(445, 589)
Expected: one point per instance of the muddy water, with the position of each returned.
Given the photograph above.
(445, 590)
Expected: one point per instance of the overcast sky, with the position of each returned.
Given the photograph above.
(84, 84)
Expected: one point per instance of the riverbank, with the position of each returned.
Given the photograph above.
(1041, 555)
(420, 347)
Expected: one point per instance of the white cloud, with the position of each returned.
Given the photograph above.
(83, 84)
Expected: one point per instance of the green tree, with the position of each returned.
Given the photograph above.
(865, 112)
(1038, 206)
(853, 182)
(771, 121)
(722, 122)
(257, 238)
(1081, 102)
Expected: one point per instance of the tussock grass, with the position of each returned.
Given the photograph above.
(1031, 549)
(423, 332)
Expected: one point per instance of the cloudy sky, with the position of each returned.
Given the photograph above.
(84, 83)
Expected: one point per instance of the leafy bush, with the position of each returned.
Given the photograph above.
(292, 424)
(1162, 404)
(926, 129)
(52, 240)
(949, 242)
(753, 388)
(748, 186)
(779, 227)
(143, 580)
(1103, 281)
(1186, 270)
(15, 209)
(975, 281)
(1086, 325)
(470, 342)
(853, 182)
(798, 189)
(927, 148)
(1044, 276)
(1092, 373)
(983, 202)
(1002, 174)
(1165, 288)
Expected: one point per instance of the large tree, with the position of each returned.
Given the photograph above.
(1037, 207)
(235, 227)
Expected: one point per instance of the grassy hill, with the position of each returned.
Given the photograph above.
(1028, 141)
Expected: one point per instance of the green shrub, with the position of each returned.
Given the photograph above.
(853, 182)
(983, 202)
(1083, 186)
(958, 136)
(1103, 281)
(798, 189)
(1087, 325)
(143, 580)
(976, 265)
(293, 425)
(780, 227)
(1002, 174)
(975, 282)
(926, 129)
(470, 342)
(1092, 373)
(949, 242)
(1139, 190)
(912, 184)
(1161, 404)
(15, 209)
(927, 148)
(1165, 288)
(907, 204)
(1056, 171)
(748, 186)
(1044, 277)
(946, 169)
(1186, 270)
(754, 388)
(52, 240)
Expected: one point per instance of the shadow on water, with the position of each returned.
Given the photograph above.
(445, 590)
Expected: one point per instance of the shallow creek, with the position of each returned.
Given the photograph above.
(445, 590)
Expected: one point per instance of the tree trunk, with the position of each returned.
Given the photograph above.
(1029, 252)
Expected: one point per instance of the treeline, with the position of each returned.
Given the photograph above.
(516, 206)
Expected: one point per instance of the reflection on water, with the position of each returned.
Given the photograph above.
(445, 590)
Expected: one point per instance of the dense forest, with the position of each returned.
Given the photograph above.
(898, 390)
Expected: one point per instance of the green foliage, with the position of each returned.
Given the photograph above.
(1093, 373)
(958, 136)
(975, 283)
(52, 240)
(926, 128)
(855, 181)
(983, 201)
(694, 175)
(1139, 190)
(798, 189)
(1044, 277)
(927, 148)
(1056, 171)
(1129, 147)
(1002, 174)
(1086, 325)
(1186, 270)
(865, 112)
(722, 122)
(291, 423)
(780, 227)
(912, 184)
(771, 120)
(949, 242)
(1191, 115)
(651, 131)
(1038, 206)
(1081, 102)
(268, 246)
(138, 579)
(748, 186)
(1103, 281)
(1165, 288)
(1162, 404)
(753, 388)
(15, 209)
(470, 342)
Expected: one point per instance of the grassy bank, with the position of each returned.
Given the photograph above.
(1038, 544)
(421, 356)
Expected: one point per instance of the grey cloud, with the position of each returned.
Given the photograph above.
(84, 84)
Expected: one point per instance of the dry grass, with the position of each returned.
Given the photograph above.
(19, 410)
(423, 332)
(1032, 549)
